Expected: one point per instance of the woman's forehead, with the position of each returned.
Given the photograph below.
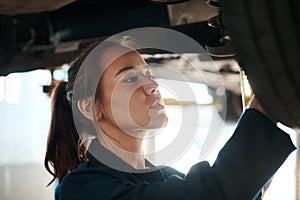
(117, 58)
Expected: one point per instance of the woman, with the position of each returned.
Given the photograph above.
(126, 106)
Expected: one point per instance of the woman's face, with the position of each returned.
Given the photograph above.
(129, 97)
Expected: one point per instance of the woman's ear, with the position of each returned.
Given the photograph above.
(99, 111)
(86, 107)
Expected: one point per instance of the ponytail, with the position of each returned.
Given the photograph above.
(64, 150)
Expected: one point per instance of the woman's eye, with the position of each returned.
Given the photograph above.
(152, 77)
(132, 79)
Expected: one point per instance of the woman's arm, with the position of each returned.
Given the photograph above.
(246, 162)
(252, 155)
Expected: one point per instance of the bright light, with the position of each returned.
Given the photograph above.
(43, 77)
(178, 90)
(201, 93)
(286, 129)
(59, 74)
(13, 88)
(2, 88)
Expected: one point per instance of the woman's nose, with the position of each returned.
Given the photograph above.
(151, 88)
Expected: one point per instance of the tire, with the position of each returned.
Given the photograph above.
(266, 38)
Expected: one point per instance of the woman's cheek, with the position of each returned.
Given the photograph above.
(138, 109)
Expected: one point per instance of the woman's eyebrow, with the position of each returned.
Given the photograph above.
(125, 69)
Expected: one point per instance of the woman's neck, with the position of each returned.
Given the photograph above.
(126, 147)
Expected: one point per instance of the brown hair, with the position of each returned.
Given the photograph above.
(65, 149)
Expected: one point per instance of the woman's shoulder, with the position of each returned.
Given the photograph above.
(169, 171)
(88, 172)
(85, 175)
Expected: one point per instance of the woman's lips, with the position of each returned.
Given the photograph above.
(157, 105)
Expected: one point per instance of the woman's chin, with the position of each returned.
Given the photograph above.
(158, 122)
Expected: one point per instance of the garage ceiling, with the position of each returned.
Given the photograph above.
(46, 34)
